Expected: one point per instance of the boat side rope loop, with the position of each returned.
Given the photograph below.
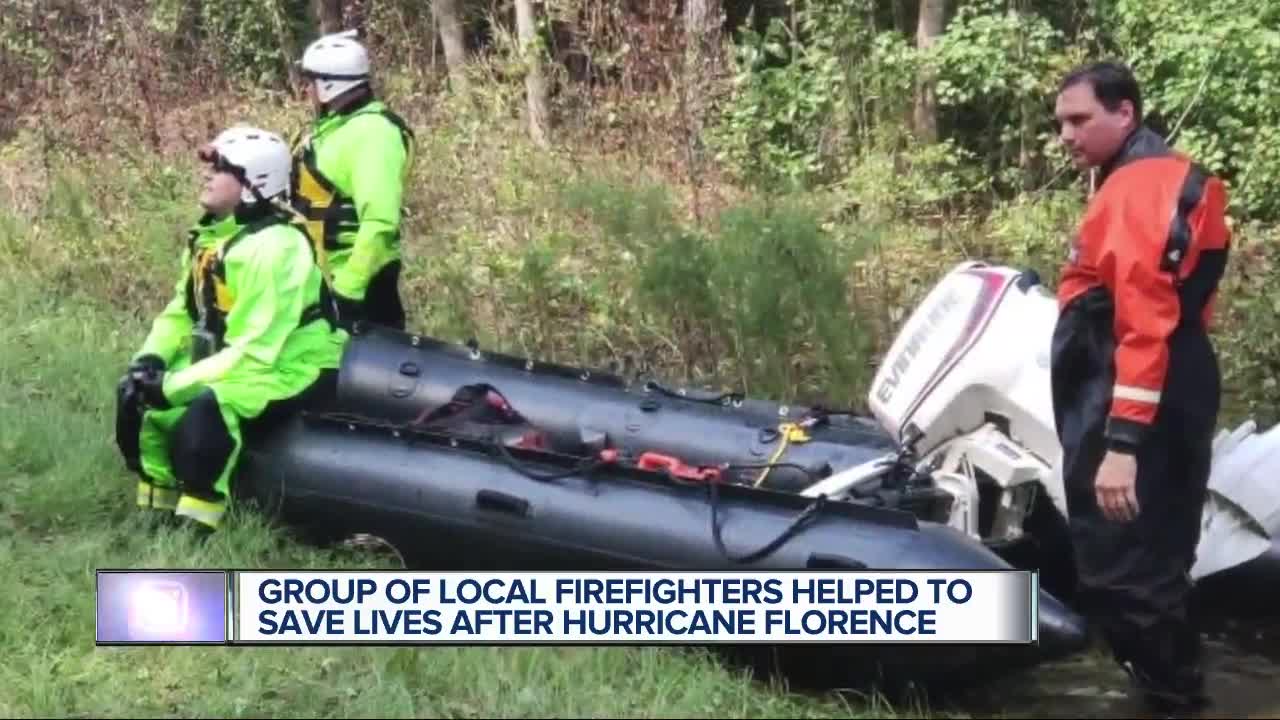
(729, 398)
(589, 465)
(806, 516)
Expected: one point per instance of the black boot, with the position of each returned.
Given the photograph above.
(1164, 664)
(1188, 674)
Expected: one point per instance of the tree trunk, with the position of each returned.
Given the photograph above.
(928, 28)
(187, 32)
(287, 45)
(534, 83)
(329, 12)
(702, 23)
(1027, 134)
(455, 49)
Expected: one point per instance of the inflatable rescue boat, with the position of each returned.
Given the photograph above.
(467, 460)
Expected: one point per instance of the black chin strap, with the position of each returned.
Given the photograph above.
(333, 76)
(349, 101)
(247, 213)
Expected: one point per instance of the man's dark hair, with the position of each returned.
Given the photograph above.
(1112, 82)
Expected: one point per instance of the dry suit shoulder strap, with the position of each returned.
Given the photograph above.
(406, 132)
(307, 163)
(250, 228)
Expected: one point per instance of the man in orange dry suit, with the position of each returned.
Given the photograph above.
(1136, 380)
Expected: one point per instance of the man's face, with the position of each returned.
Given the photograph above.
(221, 192)
(1090, 132)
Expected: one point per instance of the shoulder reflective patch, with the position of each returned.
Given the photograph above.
(1137, 394)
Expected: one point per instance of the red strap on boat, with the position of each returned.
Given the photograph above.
(657, 461)
(532, 440)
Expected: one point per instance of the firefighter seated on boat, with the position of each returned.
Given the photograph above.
(349, 175)
(248, 335)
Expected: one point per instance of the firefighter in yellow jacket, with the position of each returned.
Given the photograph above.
(349, 175)
(247, 335)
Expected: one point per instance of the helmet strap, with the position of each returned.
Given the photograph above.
(248, 212)
(313, 75)
(348, 101)
(257, 195)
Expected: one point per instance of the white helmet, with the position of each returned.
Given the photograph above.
(260, 158)
(337, 63)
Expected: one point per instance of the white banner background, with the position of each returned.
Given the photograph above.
(533, 607)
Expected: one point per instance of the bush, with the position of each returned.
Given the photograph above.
(763, 296)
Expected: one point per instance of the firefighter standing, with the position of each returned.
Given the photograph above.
(349, 181)
(247, 335)
(1135, 378)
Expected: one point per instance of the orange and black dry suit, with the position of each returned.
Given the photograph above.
(1134, 371)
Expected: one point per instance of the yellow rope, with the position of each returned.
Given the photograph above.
(788, 433)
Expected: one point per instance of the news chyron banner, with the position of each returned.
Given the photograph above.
(301, 607)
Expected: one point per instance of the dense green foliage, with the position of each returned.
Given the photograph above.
(813, 96)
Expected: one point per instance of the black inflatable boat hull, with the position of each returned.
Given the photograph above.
(397, 377)
(1248, 590)
(450, 503)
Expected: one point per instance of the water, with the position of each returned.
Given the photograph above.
(1242, 673)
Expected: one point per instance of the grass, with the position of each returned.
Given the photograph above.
(66, 511)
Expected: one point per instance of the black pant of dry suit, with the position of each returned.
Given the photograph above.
(1133, 578)
(381, 306)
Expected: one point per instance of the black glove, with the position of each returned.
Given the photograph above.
(128, 422)
(150, 386)
(129, 401)
(152, 363)
(128, 395)
(146, 375)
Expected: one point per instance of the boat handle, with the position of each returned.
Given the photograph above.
(831, 562)
(502, 502)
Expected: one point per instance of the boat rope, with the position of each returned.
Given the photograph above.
(589, 464)
(805, 517)
(812, 474)
(734, 398)
(789, 433)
